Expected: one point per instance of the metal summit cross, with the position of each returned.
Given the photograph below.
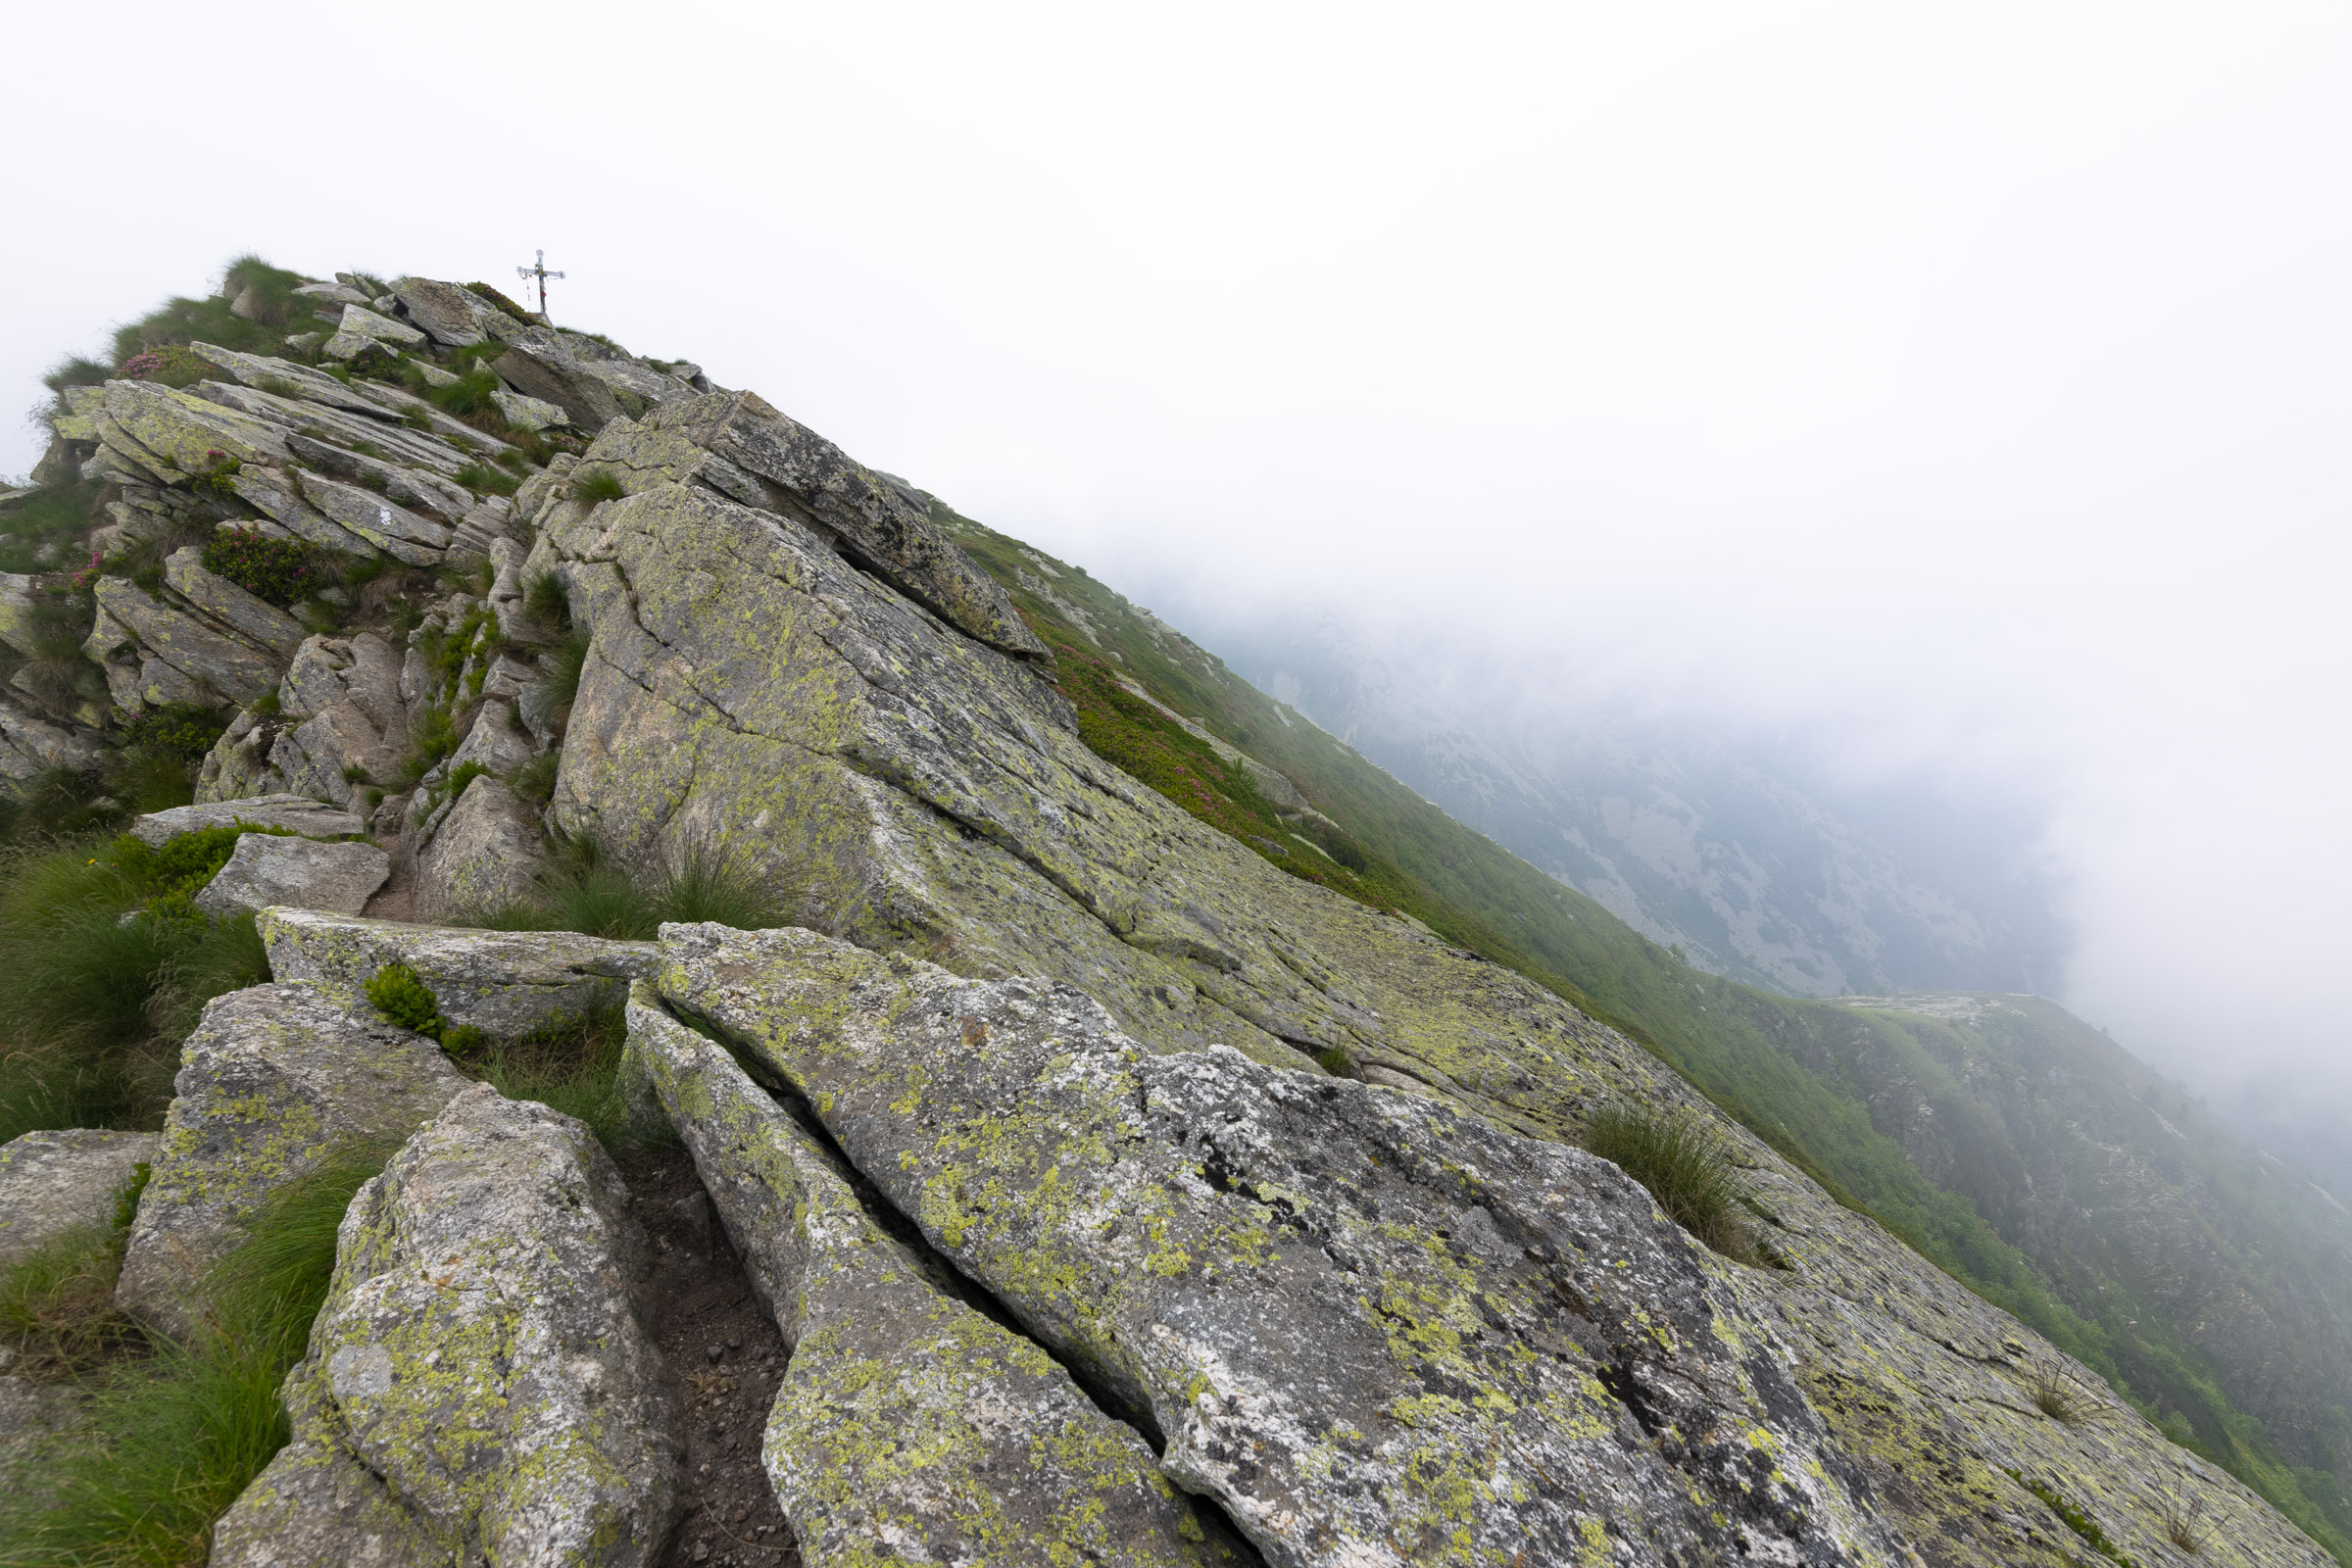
(539, 272)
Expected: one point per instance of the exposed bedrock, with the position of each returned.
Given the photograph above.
(910, 1427)
(480, 1384)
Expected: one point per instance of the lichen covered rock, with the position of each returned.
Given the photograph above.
(1371, 1327)
(501, 982)
(276, 1080)
(297, 813)
(480, 1384)
(909, 1426)
(484, 855)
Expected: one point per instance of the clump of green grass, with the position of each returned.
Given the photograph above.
(173, 1436)
(593, 485)
(57, 1303)
(1682, 1164)
(2055, 1394)
(547, 601)
(570, 1062)
(566, 663)
(2185, 1524)
(583, 889)
(104, 962)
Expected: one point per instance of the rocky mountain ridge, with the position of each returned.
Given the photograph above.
(1121, 1188)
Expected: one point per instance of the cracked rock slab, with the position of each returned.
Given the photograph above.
(908, 1426)
(485, 854)
(1376, 1330)
(480, 1384)
(274, 1081)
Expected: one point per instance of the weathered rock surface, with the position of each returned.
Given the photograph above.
(340, 713)
(450, 314)
(249, 616)
(362, 321)
(297, 813)
(485, 854)
(480, 1384)
(1368, 1325)
(268, 868)
(502, 982)
(908, 1426)
(28, 745)
(526, 413)
(274, 1080)
(52, 1183)
(154, 653)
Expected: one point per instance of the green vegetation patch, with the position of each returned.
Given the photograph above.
(279, 571)
(173, 1435)
(1680, 1159)
(2075, 1519)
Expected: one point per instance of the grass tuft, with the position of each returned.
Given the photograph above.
(584, 891)
(173, 1436)
(595, 485)
(1682, 1164)
(2055, 1394)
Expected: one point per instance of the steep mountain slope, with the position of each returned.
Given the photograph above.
(2126, 1263)
(1201, 1107)
(1723, 850)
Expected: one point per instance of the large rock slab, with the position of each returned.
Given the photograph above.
(1368, 1325)
(177, 433)
(276, 1080)
(480, 1385)
(54, 1183)
(28, 745)
(486, 853)
(297, 813)
(451, 315)
(154, 653)
(908, 1426)
(502, 982)
(360, 322)
(384, 524)
(268, 868)
(340, 713)
(868, 517)
(247, 614)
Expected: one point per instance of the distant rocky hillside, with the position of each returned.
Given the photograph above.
(1753, 871)
(725, 1013)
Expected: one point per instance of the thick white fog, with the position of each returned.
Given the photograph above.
(1966, 394)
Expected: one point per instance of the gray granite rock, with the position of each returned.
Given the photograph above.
(274, 1081)
(1326, 1295)
(502, 982)
(486, 851)
(481, 1366)
(493, 741)
(154, 653)
(528, 412)
(382, 523)
(297, 813)
(360, 322)
(269, 868)
(52, 1183)
(450, 315)
(29, 744)
(909, 1428)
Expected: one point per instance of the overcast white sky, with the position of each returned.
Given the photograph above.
(1969, 389)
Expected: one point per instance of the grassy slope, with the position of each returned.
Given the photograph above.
(1794, 1072)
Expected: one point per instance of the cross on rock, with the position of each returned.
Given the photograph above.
(538, 270)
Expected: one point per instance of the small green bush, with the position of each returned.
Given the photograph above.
(597, 484)
(279, 571)
(482, 479)
(534, 782)
(1680, 1159)
(397, 991)
(185, 730)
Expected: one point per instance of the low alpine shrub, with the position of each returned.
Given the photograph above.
(279, 571)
